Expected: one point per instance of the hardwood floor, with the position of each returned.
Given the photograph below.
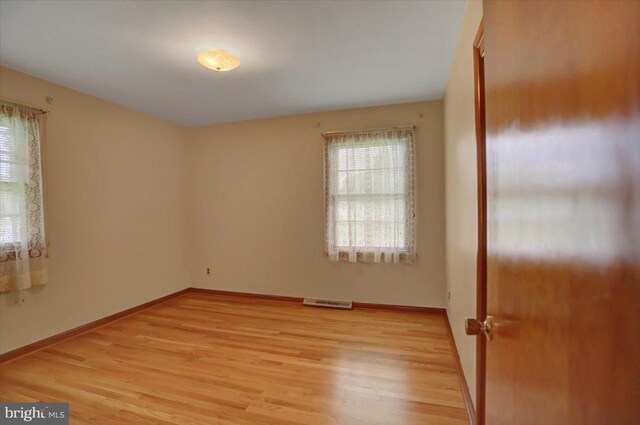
(212, 359)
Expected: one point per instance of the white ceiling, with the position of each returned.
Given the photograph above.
(296, 57)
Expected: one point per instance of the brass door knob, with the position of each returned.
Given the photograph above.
(476, 327)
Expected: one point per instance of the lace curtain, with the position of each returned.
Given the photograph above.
(22, 242)
(370, 196)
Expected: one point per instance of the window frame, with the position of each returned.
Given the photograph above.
(363, 253)
(11, 248)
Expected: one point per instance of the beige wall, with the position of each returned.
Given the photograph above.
(257, 209)
(461, 191)
(116, 212)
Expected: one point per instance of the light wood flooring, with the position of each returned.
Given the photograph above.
(213, 359)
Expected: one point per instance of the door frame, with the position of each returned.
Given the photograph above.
(481, 266)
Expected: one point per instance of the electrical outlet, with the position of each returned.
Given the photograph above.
(448, 295)
(208, 271)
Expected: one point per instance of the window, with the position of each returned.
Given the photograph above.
(370, 196)
(22, 242)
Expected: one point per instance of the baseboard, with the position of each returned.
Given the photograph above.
(247, 295)
(43, 343)
(357, 305)
(466, 395)
(395, 307)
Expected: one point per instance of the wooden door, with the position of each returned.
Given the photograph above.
(562, 89)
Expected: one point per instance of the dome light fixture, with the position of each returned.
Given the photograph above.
(218, 60)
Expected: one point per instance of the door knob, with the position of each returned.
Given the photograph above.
(476, 327)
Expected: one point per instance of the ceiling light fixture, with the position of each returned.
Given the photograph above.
(218, 60)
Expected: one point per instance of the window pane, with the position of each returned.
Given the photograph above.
(379, 208)
(367, 156)
(371, 234)
(368, 192)
(10, 201)
(384, 181)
